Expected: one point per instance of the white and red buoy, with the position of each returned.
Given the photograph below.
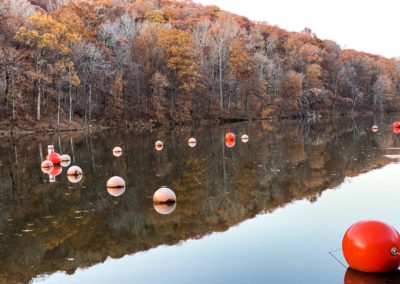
(374, 128)
(159, 145)
(192, 142)
(245, 138)
(117, 151)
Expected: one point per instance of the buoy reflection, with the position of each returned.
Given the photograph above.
(164, 209)
(55, 171)
(353, 276)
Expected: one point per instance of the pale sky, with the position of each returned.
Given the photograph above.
(366, 25)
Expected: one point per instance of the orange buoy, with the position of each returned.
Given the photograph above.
(374, 128)
(372, 246)
(164, 209)
(46, 166)
(396, 127)
(245, 138)
(55, 171)
(192, 142)
(74, 171)
(230, 139)
(55, 158)
(117, 151)
(357, 277)
(159, 145)
(164, 195)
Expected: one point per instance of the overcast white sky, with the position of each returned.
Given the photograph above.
(367, 25)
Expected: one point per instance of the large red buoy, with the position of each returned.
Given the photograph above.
(230, 139)
(372, 246)
(55, 158)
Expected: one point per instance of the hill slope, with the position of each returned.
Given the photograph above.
(123, 61)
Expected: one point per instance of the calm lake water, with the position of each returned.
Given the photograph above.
(273, 210)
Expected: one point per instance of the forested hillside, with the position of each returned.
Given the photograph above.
(111, 62)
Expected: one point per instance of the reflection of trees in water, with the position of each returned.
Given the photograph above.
(216, 187)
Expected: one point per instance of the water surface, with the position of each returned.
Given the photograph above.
(266, 211)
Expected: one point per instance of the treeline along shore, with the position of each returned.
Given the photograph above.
(73, 63)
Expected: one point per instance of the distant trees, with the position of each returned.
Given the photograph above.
(123, 61)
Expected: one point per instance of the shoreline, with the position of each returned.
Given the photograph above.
(151, 125)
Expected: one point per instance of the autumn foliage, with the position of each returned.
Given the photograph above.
(121, 62)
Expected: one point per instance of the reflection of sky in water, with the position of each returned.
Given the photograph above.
(290, 245)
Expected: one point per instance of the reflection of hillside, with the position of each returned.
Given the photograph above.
(79, 226)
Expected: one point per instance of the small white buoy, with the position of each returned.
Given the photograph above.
(159, 145)
(164, 209)
(117, 151)
(192, 142)
(245, 138)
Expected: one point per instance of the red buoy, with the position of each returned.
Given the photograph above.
(372, 246)
(55, 171)
(55, 158)
(396, 127)
(374, 128)
(230, 139)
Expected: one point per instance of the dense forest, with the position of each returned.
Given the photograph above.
(69, 63)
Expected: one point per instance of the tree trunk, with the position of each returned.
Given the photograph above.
(70, 98)
(58, 107)
(220, 80)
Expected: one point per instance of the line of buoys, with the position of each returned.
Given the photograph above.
(117, 151)
(159, 145)
(372, 246)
